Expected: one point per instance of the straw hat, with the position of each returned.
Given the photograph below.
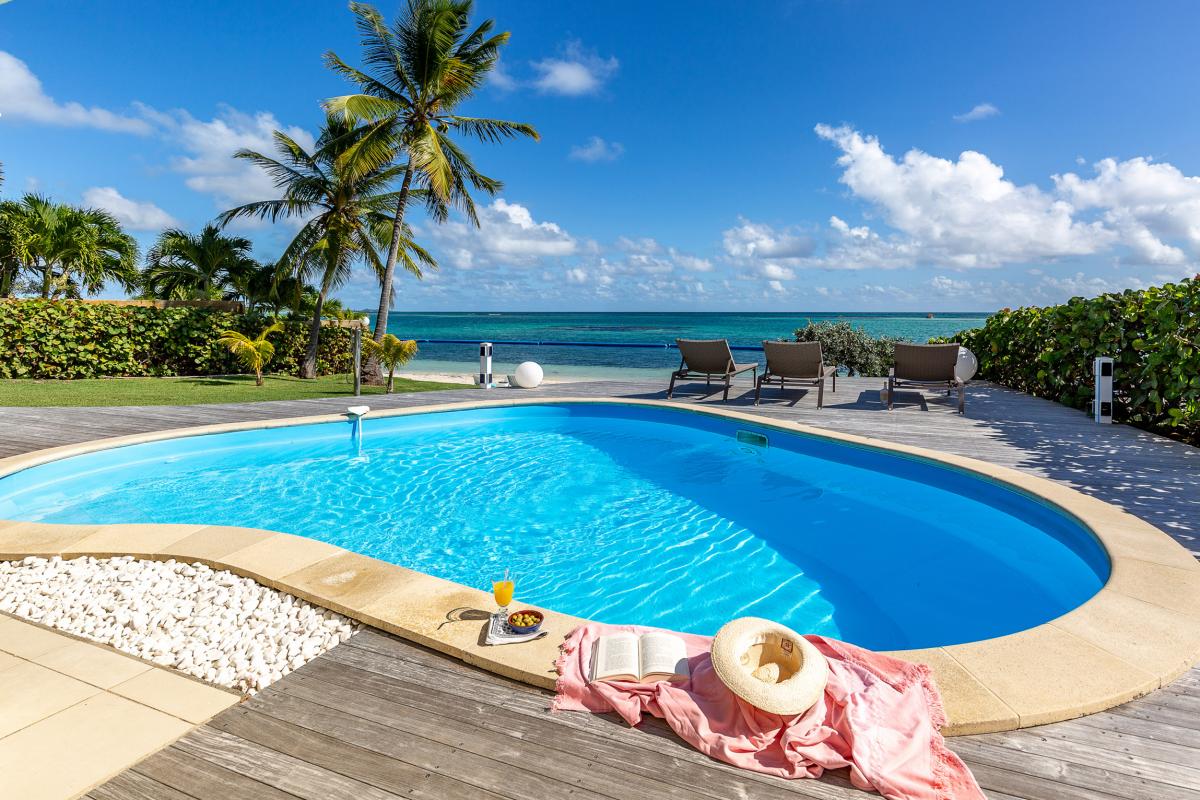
(771, 667)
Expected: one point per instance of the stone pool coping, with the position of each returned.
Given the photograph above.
(1137, 634)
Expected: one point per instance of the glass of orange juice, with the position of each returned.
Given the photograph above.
(502, 590)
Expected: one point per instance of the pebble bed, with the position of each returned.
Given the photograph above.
(211, 624)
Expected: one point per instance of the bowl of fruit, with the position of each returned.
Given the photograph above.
(526, 621)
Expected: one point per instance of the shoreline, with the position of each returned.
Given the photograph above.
(469, 379)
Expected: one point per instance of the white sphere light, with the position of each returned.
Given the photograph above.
(966, 366)
(528, 375)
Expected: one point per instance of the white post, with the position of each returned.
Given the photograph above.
(485, 365)
(1102, 404)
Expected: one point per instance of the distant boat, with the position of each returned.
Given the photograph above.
(929, 315)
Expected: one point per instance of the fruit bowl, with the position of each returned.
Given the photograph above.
(525, 621)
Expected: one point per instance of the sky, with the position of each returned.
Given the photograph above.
(782, 156)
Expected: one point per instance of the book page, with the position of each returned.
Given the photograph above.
(616, 657)
(664, 657)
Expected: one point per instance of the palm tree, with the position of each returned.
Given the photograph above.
(254, 353)
(15, 240)
(188, 266)
(72, 250)
(343, 203)
(392, 352)
(417, 73)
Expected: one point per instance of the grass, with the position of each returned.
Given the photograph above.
(190, 391)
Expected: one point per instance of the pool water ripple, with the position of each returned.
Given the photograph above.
(620, 514)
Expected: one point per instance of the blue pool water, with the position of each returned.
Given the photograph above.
(621, 514)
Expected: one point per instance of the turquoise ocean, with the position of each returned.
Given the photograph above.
(607, 328)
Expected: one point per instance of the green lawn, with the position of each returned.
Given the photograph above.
(189, 391)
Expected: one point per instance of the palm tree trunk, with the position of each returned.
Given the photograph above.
(47, 278)
(258, 376)
(391, 379)
(371, 371)
(308, 368)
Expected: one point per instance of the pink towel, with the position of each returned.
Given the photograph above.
(879, 716)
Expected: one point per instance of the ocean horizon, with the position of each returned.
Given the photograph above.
(633, 327)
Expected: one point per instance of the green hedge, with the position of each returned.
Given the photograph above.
(65, 339)
(1152, 335)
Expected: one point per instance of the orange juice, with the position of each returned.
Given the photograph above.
(503, 592)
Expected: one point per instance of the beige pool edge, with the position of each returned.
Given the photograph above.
(1138, 633)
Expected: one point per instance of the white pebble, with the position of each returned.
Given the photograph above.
(210, 624)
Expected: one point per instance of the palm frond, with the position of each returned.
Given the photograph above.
(493, 130)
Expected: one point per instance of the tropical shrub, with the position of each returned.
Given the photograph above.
(391, 352)
(850, 347)
(1152, 335)
(67, 339)
(253, 353)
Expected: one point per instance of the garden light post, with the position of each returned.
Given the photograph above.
(358, 329)
(1102, 404)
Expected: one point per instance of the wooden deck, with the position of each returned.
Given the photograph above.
(378, 717)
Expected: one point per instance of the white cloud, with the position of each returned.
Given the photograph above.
(644, 244)
(981, 111)
(577, 72)
(646, 255)
(22, 97)
(694, 263)
(961, 213)
(507, 234)
(577, 275)
(841, 226)
(776, 286)
(133, 214)
(597, 149)
(1145, 203)
(775, 271)
(209, 146)
(756, 240)
(501, 79)
(964, 213)
(1056, 289)
(950, 287)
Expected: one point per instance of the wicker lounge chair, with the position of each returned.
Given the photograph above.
(796, 363)
(924, 365)
(708, 359)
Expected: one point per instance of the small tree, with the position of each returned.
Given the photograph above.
(850, 347)
(391, 352)
(254, 353)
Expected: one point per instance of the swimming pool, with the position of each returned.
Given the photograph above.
(620, 513)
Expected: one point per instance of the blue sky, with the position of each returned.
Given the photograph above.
(694, 155)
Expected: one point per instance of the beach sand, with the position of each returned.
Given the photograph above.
(469, 380)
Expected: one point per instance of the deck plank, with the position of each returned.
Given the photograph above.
(371, 734)
(203, 780)
(642, 769)
(414, 663)
(130, 785)
(337, 756)
(284, 772)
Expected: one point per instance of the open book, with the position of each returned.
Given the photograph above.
(651, 657)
